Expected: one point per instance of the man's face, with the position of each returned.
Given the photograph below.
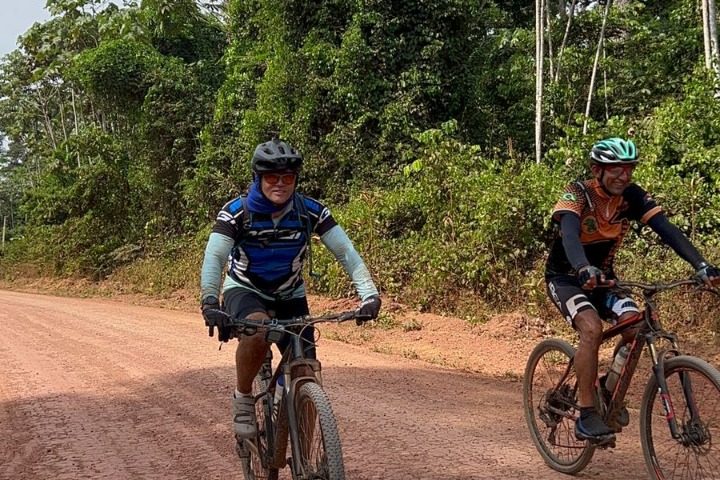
(615, 178)
(278, 186)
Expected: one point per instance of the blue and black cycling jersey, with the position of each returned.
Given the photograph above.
(267, 254)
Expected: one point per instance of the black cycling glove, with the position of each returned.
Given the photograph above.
(706, 271)
(368, 309)
(212, 313)
(587, 274)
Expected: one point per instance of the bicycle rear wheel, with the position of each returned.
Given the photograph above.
(551, 407)
(694, 388)
(254, 452)
(320, 449)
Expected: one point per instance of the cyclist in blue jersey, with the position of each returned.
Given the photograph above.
(264, 238)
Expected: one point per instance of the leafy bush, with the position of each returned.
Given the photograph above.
(454, 219)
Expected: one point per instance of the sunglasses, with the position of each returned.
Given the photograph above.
(617, 170)
(284, 178)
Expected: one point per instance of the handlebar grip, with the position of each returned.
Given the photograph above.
(360, 319)
(347, 316)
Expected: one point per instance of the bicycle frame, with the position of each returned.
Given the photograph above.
(296, 369)
(648, 333)
(650, 330)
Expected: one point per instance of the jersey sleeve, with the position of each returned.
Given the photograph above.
(642, 206)
(229, 219)
(321, 219)
(572, 200)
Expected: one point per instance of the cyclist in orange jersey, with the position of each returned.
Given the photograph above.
(593, 217)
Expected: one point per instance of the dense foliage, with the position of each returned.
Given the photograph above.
(127, 127)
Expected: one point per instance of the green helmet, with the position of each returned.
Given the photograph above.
(614, 151)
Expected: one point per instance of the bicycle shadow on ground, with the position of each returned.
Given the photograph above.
(418, 423)
(432, 423)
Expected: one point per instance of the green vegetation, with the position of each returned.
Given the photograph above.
(126, 128)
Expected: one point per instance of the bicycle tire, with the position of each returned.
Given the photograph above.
(550, 412)
(697, 459)
(320, 455)
(255, 465)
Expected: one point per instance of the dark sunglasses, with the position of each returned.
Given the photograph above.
(620, 169)
(284, 178)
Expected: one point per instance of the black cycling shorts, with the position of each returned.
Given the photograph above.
(240, 303)
(570, 298)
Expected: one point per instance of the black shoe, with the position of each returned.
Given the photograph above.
(593, 429)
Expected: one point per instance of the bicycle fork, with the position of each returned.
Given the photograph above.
(689, 434)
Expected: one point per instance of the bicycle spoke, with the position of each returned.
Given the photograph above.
(550, 397)
(320, 451)
(696, 454)
(311, 438)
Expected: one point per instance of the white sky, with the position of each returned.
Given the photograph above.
(16, 18)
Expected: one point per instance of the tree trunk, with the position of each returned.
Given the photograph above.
(712, 23)
(549, 38)
(706, 34)
(564, 40)
(539, 52)
(75, 120)
(601, 41)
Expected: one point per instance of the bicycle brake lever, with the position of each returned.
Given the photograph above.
(346, 316)
(360, 319)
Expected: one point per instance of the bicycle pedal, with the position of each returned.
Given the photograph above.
(610, 444)
(241, 450)
(597, 441)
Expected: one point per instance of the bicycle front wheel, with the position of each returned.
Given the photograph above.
(551, 407)
(694, 396)
(320, 450)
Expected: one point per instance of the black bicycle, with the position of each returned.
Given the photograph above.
(679, 411)
(291, 404)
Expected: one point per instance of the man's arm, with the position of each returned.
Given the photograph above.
(675, 239)
(216, 253)
(570, 234)
(337, 241)
(588, 275)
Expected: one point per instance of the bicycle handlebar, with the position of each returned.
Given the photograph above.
(650, 289)
(304, 320)
(249, 326)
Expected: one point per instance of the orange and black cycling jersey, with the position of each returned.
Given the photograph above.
(604, 221)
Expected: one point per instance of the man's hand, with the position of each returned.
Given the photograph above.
(708, 274)
(368, 309)
(590, 277)
(212, 314)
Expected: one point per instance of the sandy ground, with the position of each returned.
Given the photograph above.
(104, 389)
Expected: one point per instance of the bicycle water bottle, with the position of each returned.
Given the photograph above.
(616, 368)
(278, 395)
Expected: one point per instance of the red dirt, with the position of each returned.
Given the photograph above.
(103, 389)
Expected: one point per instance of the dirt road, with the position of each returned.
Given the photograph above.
(96, 389)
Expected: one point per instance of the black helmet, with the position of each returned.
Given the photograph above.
(614, 151)
(274, 156)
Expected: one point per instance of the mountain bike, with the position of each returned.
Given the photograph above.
(291, 404)
(679, 410)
